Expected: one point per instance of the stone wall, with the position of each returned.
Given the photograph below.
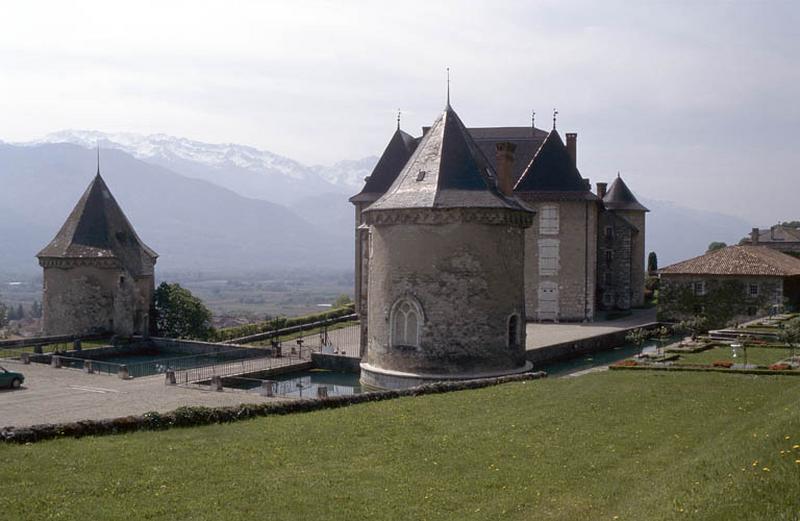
(614, 276)
(726, 299)
(467, 278)
(637, 256)
(84, 299)
(576, 274)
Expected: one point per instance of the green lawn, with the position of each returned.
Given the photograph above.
(613, 445)
(755, 355)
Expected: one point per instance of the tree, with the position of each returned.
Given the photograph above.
(790, 334)
(716, 245)
(3, 315)
(652, 262)
(342, 301)
(36, 309)
(179, 314)
(20, 312)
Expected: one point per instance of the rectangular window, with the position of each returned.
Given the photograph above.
(753, 290)
(699, 288)
(607, 278)
(548, 220)
(609, 257)
(609, 233)
(548, 257)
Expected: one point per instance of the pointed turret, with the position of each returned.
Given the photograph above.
(620, 197)
(447, 170)
(98, 229)
(552, 169)
(392, 161)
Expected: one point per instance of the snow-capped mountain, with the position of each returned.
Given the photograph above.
(248, 171)
(165, 147)
(348, 173)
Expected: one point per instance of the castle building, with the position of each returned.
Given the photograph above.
(782, 237)
(98, 274)
(584, 252)
(445, 259)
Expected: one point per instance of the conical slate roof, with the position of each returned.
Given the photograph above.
(96, 229)
(447, 170)
(551, 170)
(620, 197)
(392, 161)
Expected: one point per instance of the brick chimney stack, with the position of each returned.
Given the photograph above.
(601, 189)
(504, 154)
(754, 236)
(572, 147)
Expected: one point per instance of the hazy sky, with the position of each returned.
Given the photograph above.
(694, 102)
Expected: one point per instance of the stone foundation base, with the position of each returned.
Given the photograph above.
(377, 378)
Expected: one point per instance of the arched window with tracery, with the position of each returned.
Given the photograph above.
(406, 321)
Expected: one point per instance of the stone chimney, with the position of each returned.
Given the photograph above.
(601, 189)
(572, 144)
(754, 236)
(504, 155)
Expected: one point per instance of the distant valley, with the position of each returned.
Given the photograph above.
(233, 208)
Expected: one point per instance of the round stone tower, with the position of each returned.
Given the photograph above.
(445, 283)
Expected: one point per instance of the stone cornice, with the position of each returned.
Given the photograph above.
(74, 262)
(433, 216)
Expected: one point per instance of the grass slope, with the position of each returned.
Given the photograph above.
(614, 445)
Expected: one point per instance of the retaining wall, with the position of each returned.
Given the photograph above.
(583, 346)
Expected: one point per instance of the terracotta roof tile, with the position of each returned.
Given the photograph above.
(738, 260)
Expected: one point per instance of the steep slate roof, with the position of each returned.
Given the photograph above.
(738, 260)
(620, 197)
(552, 173)
(391, 162)
(447, 170)
(97, 228)
(527, 139)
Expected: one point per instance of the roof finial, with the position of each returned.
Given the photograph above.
(617, 173)
(448, 86)
(533, 119)
(398, 119)
(555, 114)
(98, 157)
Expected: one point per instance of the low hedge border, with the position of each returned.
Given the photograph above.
(703, 369)
(194, 416)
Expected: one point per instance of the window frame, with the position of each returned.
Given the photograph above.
(413, 307)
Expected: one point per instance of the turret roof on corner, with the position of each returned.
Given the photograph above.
(447, 170)
(620, 197)
(391, 162)
(97, 228)
(552, 171)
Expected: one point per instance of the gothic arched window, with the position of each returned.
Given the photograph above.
(406, 321)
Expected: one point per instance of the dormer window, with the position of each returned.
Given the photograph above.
(421, 175)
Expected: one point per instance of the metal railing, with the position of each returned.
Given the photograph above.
(238, 367)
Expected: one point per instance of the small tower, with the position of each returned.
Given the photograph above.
(445, 282)
(98, 274)
(621, 268)
(391, 162)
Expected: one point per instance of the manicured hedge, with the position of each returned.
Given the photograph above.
(192, 416)
(229, 333)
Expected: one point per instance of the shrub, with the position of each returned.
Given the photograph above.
(626, 363)
(722, 363)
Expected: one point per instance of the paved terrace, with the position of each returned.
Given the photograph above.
(62, 395)
(546, 334)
